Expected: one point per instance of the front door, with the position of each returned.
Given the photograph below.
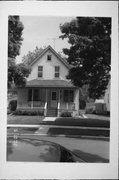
(54, 99)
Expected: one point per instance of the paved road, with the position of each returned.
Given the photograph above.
(91, 149)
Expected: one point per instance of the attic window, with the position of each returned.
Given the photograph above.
(49, 57)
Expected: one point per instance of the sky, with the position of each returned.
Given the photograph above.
(40, 31)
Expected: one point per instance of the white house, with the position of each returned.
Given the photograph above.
(47, 88)
(107, 98)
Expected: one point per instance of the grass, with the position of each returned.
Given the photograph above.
(77, 132)
(78, 122)
(33, 120)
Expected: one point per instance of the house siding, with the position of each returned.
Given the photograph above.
(48, 68)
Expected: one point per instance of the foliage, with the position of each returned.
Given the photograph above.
(89, 53)
(29, 113)
(15, 28)
(17, 73)
(29, 58)
(65, 114)
(13, 105)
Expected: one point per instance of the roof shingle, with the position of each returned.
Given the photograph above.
(50, 83)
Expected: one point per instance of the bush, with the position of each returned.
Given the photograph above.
(89, 110)
(65, 114)
(29, 113)
(13, 105)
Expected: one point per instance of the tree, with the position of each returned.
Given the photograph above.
(17, 73)
(89, 53)
(29, 58)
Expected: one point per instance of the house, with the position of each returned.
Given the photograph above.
(47, 88)
(100, 106)
(103, 105)
(107, 98)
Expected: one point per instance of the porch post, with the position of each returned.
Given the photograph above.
(59, 104)
(32, 99)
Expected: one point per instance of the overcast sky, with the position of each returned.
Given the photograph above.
(40, 31)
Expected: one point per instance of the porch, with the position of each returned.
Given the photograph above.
(51, 100)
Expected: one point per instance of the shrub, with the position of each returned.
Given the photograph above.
(65, 114)
(13, 105)
(29, 113)
(89, 110)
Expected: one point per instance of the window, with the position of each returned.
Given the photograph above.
(49, 57)
(54, 95)
(68, 95)
(40, 71)
(35, 94)
(57, 71)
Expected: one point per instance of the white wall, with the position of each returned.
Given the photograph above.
(48, 67)
(107, 97)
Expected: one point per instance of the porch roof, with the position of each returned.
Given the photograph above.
(50, 83)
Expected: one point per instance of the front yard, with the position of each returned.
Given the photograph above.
(33, 120)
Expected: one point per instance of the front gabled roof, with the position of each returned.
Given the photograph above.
(56, 54)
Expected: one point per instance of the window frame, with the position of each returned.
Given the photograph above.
(57, 72)
(55, 95)
(40, 71)
(49, 57)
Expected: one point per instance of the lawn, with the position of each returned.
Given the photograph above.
(15, 119)
(69, 121)
(100, 117)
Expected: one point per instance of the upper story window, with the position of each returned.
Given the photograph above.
(57, 71)
(49, 57)
(40, 71)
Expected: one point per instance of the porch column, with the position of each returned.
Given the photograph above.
(46, 99)
(59, 104)
(76, 101)
(32, 99)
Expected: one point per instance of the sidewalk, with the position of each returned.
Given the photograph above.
(54, 130)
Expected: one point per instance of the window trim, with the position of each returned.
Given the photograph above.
(40, 71)
(52, 95)
(57, 72)
(49, 57)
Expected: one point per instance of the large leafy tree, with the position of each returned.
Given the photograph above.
(17, 73)
(30, 56)
(89, 53)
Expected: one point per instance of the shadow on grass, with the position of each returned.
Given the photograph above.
(90, 158)
(75, 132)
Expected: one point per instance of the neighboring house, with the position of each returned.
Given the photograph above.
(107, 98)
(47, 88)
(103, 105)
(100, 106)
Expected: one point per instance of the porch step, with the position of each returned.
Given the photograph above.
(51, 112)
